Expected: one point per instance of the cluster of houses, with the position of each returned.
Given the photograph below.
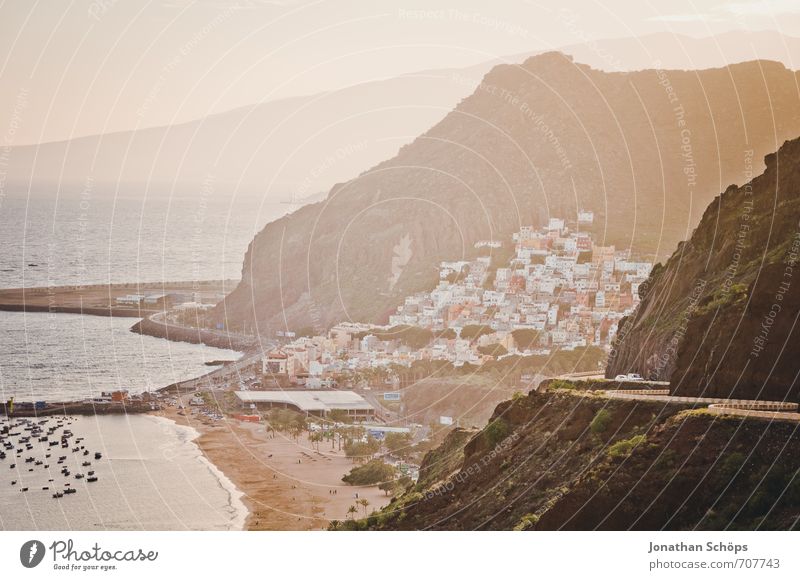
(314, 361)
(558, 283)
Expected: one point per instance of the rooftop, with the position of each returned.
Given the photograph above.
(308, 400)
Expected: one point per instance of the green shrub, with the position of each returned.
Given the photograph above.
(624, 447)
(730, 465)
(361, 450)
(601, 421)
(496, 431)
(370, 473)
(559, 384)
(526, 522)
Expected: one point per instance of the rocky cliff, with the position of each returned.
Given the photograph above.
(573, 460)
(720, 317)
(643, 150)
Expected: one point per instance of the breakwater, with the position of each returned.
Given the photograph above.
(88, 310)
(219, 339)
(75, 408)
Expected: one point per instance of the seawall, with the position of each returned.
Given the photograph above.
(159, 329)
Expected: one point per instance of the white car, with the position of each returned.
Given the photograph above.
(629, 377)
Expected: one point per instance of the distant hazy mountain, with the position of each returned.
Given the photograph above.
(294, 148)
(646, 151)
(719, 319)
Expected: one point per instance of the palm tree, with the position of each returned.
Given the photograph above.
(351, 511)
(364, 502)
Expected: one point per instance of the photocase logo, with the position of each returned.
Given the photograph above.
(31, 553)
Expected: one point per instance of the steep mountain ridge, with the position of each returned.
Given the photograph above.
(719, 319)
(643, 150)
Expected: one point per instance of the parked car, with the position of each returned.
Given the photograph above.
(629, 377)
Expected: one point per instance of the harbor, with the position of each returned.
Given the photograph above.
(115, 472)
(30, 448)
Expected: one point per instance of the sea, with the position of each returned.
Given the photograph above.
(70, 357)
(58, 241)
(155, 477)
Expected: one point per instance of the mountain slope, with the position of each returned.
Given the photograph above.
(542, 463)
(720, 317)
(644, 150)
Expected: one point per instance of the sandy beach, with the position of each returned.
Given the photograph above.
(287, 484)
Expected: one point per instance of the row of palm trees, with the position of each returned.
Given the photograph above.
(352, 510)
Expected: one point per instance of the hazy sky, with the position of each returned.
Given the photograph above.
(76, 67)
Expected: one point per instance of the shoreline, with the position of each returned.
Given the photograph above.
(284, 484)
(235, 495)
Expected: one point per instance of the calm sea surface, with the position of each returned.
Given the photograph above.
(56, 357)
(155, 477)
(48, 241)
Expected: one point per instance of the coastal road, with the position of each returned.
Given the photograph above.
(656, 391)
(224, 375)
(776, 410)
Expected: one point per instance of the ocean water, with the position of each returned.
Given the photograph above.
(155, 477)
(56, 357)
(71, 240)
(151, 477)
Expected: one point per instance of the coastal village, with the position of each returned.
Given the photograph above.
(558, 291)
